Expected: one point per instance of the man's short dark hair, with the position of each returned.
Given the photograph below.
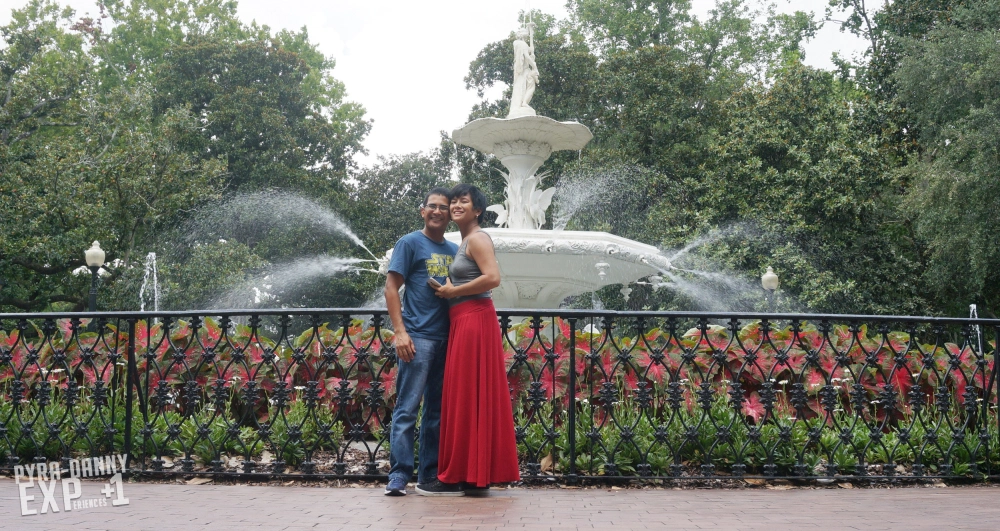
(475, 194)
(437, 190)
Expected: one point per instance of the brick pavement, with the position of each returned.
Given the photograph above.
(249, 508)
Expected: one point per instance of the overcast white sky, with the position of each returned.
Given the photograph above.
(404, 60)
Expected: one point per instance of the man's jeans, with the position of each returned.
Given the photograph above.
(421, 377)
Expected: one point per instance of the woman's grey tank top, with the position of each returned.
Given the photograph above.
(464, 270)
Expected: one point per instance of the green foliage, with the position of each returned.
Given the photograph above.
(949, 82)
(645, 76)
(75, 427)
(263, 110)
(207, 435)
(741, 38)
(791, 163)
(42, 68)
(144, 32)
(718, 439)
(622, 24)
(886, 27)
(662, 404)
(116, 127)
(725, 131)
(864, 188)
(211, 268)
(300, 428)
(116, 176)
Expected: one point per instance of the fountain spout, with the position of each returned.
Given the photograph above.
(149, 281)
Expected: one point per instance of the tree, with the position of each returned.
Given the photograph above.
(275, 124)
(644, 76)
(817, 193)
(117, 177)
(42, 68)
(739, 40)
(715, 124)
(949, 80)
(613, 25)
(143, 32)
(886, 29)
(104, 138)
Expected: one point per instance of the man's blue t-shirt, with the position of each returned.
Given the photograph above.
(417, 257)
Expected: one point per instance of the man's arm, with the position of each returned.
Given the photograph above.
(404, 345)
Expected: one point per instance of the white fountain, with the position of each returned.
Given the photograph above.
(540, 268)
(150, 281)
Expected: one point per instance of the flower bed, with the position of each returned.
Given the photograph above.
(649, 395)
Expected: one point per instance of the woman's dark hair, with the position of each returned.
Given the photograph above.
(475, 194)
(437, 190)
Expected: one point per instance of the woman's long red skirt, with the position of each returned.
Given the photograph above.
(477, 425)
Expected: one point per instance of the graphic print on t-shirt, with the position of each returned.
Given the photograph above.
(438, 264)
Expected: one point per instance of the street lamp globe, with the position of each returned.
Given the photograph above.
(94, 256)
(95, 259)
(769, 280)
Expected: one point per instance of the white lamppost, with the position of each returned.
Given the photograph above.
(95, 259)
(769, 281)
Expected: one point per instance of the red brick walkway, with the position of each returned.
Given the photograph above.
(248, 508)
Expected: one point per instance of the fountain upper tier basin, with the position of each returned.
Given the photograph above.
(540, 268)
(527, 135)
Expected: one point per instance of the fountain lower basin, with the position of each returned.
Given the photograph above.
(540, 268)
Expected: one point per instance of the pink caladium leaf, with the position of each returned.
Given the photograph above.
(753, 408)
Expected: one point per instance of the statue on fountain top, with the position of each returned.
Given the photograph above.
(525, 73)
(522, 141)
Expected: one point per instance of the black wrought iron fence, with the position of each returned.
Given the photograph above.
(596, 394)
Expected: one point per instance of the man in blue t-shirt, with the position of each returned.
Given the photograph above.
(420, 322)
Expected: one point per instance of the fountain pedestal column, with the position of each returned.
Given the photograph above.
(525, 205)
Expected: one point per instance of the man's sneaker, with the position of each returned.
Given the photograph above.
(396, 487)
(436, 488)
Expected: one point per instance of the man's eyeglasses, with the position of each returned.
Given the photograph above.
(441, 208)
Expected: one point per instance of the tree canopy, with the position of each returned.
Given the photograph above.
(858, 185)
(870, 188)
(119, 135)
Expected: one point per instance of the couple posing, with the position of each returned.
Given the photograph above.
(448, 345)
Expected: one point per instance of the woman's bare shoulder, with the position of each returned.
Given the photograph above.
(480, 241)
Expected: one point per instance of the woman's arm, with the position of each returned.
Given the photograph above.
(480, 249)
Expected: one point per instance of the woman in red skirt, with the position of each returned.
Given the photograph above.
(477, 426)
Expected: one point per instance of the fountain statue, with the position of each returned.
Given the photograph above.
(525, 74)
(539, 268)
